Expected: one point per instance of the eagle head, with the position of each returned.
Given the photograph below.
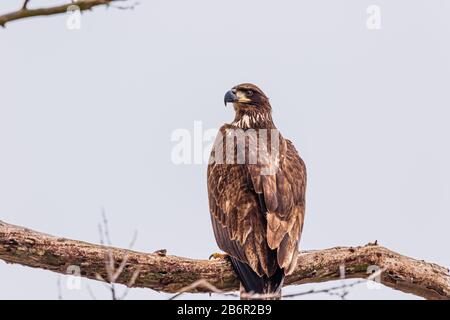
(246, 95)
(251, 105)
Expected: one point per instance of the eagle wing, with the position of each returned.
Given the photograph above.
(257, 210)
(281, 183)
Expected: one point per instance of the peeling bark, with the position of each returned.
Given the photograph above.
(171, 274)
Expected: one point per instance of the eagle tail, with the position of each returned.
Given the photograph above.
(255, 284)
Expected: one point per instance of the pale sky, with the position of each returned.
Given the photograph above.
(86, 118)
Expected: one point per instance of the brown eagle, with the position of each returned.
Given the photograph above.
(256, 195)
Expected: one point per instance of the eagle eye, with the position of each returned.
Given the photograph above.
(249, 93)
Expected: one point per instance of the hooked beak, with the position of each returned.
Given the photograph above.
(230, 96)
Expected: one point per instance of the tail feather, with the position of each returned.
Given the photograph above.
(253, 283)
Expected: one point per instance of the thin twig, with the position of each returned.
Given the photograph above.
(331, 289)
(250, 296)
(127, 7)
(112, 272)
(131, 283)
(88, 287)
(58, 283)
(202, 283)
(24, 12)
(25, 4)
(105, 224)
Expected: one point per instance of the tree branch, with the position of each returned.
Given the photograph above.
(24, 12)
(173, 274)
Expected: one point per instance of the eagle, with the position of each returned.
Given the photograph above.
(256, 195)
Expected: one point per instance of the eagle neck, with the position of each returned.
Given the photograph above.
(250, 119)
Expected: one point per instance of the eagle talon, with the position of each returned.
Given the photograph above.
(218, 256)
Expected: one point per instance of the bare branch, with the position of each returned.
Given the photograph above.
(83, 5)
(171, 274)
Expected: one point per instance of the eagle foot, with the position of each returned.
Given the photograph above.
(218, 256)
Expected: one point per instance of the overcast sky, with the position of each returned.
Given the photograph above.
(86, 118)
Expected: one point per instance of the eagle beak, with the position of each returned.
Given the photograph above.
(230, 96)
